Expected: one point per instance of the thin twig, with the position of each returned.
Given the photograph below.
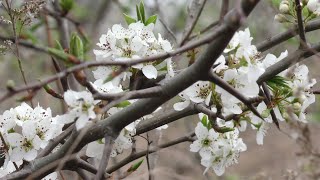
(224, 9)
(105, 157)
(194, 12)
(302, 35)
(187, 138)
(224, 85)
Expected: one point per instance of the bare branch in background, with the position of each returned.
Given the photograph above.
(194, 11)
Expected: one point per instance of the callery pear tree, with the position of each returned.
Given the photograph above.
(114, 91)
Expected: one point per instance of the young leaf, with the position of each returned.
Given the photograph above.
(123, 104)
(66, 5)
(135, 166)
(76, 46)
(60, 54)
(129, 19)
(58, 45)
(142, 13)
(151, 19)
(138, 13)
(204, 121)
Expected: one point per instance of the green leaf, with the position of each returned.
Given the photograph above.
(129, 19)
(151, 19)
(278, 82)
(138, 13)
(225, 129)
(58, 45)
(29, 35)
(123, 104)
(36, 26)
(135, 166)
(276, 3)
(60, 54)
(76, 46)
(205, 121)
(142, 13)
(66, 5)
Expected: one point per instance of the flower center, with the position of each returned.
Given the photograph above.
(204, 92)
(27, 145)
(206, 142)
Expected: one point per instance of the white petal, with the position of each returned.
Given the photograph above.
(81, 121)
(17, 154)
(150, 71)
(179, 106)
(195, 146)
(15, 139)
(29, 129)
(30, 155)
(201, 131)
(95, 149)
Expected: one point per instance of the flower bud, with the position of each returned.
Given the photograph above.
(296, 107)
(265, 113)
(286, 2)
(302, 98)
(285, 116)
(284, 8)
(280, 18)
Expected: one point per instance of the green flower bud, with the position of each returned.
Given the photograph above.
(265, 113)
(280, 18)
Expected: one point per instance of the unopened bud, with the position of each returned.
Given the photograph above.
(265, 113)
(296, 107)
(286, 2)
(284, 8)
(285, 116)
(10, 85)
(302, 98)
(280, 18)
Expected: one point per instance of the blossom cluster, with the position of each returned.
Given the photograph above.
(310, 10)
(134, 42)
(123, 44)
(24, 131)
(240, 67)
(217, 150)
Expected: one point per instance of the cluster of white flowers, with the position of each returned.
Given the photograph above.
(217, 151)
(136, 41)
(287, 9)
(314, 6)
(123, 141)
(25, 131)
(290, 92)
(81, 108)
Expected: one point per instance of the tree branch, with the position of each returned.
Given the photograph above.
(138, 155)
(277, 39)
(194, 12)
(284, 64)
(115, 123)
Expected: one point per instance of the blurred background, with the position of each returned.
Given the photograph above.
(291, 153)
